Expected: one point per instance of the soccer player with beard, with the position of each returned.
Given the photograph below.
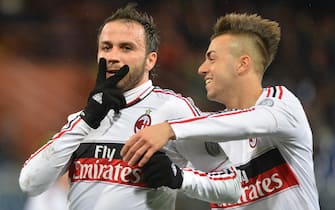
(123, 102)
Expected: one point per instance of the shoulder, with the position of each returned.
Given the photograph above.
(279, 94)
(167, 93)
(176, 100)
(281, 101)
(73, 116)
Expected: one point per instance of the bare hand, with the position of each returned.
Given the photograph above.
(141, 146)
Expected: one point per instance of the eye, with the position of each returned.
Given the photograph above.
(105, 47)
(210, 57)
(126, 47)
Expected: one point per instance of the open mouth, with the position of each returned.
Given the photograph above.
(207, 81)
(110, 73)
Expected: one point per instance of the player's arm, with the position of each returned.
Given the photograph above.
(44, 167)
(257, 121)
(282, 119)
(221, 186)
(226, 126)
(47, 164)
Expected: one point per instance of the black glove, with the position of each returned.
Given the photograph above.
(104, 96)
(160, 171)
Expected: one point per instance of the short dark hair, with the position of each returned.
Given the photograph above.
(130, 13)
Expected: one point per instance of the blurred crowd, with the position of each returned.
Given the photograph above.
(48, 58)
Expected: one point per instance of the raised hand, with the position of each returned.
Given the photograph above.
(104, 96)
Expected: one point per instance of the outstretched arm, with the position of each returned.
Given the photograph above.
(221, 186)
(147, 141)
(225, 126)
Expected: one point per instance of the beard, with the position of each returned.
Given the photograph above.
(132, 79)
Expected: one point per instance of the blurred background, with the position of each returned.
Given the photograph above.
(48, 64)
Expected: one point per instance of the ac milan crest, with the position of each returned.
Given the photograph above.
(143, 121)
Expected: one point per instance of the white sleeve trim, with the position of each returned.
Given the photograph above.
(217, 187)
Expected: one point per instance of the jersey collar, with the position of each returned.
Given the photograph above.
(135, 95)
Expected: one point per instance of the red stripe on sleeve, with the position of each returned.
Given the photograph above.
(211, 116)
(269, 91)
(194, 111)
(67, 130)
(216, 176)
(51, 141)
(280, 92)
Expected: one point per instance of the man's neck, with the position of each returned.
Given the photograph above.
(244, 97)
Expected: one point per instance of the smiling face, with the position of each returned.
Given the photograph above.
(219, 69)
(122, 42)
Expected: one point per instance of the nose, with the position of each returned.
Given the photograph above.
(202, 69)
(112, 56)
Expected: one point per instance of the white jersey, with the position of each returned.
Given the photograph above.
(272, 145)
(100, 180)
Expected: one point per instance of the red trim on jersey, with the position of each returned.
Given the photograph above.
(141, 96)
(280, 92)
(194, 111)
(212, 116)
(269, 91)
(234, 112)
(215, 176)
(188, 120)
(263, 186)
(53, 139)
(273, 90)
(67, 130)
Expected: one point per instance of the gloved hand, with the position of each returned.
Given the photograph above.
(104, 96)
(160, 171)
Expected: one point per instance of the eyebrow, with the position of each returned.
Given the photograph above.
(105, 43)
(121, 43)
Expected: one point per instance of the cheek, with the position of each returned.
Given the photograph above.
(223, 79)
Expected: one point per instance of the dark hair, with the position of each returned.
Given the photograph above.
(130, 13)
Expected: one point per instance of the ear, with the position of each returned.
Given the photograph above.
(150, 61)
(243, 64)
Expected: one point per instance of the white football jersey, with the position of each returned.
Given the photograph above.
(101, 180)
(271, 143)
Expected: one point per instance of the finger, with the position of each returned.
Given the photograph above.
(145, 158)
(125, 149)
(102, 68)
(113, 80)
(138, 154)
(134, 146)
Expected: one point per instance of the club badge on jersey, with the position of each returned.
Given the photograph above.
(143, 121)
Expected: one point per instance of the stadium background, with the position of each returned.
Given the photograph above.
(48, 56)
